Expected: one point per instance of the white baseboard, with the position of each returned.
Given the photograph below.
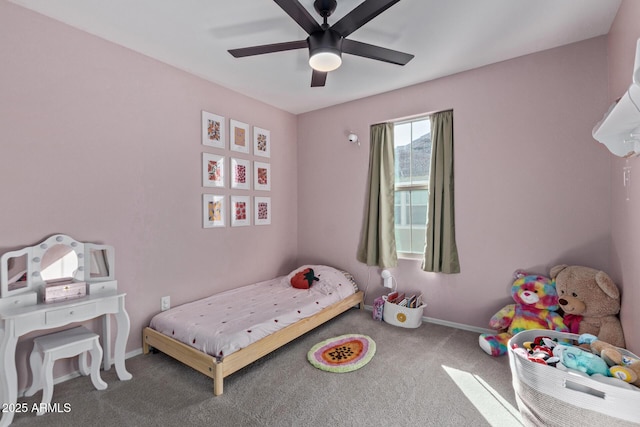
(133, 353)
(461, 326)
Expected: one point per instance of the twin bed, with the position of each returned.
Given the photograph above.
(225, 332)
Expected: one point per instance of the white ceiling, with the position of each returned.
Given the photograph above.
(446, 37)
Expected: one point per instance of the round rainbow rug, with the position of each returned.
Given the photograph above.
(345, 353)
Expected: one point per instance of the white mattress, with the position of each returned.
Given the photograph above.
(227, 322)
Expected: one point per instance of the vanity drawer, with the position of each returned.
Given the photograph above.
(18, 301)
(99, 288)
(70, 314)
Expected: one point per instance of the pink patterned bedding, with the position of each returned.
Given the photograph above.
(227, 322)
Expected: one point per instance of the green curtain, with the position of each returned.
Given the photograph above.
(441, 253)
(377, 239)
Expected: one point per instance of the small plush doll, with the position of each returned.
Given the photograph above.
(622, 365)
(581, 360)
(304, 279)
(536, 301)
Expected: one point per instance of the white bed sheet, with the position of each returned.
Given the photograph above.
(229, 321)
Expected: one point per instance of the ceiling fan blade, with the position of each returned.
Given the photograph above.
(365, 12)
(268, 48)
(375, 52)
(295, 10)
(318, 78)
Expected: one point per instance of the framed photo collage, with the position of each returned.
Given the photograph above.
(241, 166)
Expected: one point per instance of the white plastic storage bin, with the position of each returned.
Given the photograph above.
(404, 317)
(549, 396)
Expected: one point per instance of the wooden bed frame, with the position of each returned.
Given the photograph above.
(212, 368)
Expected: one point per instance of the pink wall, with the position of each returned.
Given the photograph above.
(103, 144)
(625, 218)
(530, 180)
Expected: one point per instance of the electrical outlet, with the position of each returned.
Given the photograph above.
(165, 303)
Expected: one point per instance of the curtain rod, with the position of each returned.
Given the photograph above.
(415, 116)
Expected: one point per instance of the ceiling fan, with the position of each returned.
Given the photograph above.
(326, 43)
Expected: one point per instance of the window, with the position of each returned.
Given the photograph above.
(412, 146)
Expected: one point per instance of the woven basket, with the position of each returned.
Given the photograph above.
(404, 317)
(548, 396)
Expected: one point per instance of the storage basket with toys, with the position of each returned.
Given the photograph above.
(566, 349)
(557, 382)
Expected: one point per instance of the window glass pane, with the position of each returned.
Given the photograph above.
(402, 133)
(397, 205)
(402, 208)
(420, 151)
(403, 238)
(402, 221)
(410, 220)
(421, 128)
(402, 148)
(419, 205)
(420, 197)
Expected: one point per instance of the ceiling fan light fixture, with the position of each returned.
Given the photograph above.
(325, 50)
(325, 60)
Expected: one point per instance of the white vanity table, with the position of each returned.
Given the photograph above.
(22, 310)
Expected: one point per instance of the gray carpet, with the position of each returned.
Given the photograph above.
(406, 383)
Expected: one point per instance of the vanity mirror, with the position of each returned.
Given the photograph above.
(58, 257)
(100, 263)
(17, 272)
(58, 262)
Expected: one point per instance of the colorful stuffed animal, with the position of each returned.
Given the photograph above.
(581, 360)
(535, 304)
(590, 302)
(621, 365)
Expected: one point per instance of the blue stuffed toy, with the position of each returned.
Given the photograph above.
(581, 360)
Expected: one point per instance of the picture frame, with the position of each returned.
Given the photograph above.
(240, 211)
(213, 211)
(261, 176)
(261, 142)
(240, 174)
(239, 137)
(262, 210)
(213, 130)
(213, 170)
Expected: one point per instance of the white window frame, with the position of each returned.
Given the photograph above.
(410, 187)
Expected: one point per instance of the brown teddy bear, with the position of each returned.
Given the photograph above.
(590, 301)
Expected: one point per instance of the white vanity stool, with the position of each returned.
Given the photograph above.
(68, 343)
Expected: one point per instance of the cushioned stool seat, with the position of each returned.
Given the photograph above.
(68, 343)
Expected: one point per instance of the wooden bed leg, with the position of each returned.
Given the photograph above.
(145, 346)
(218, 379)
